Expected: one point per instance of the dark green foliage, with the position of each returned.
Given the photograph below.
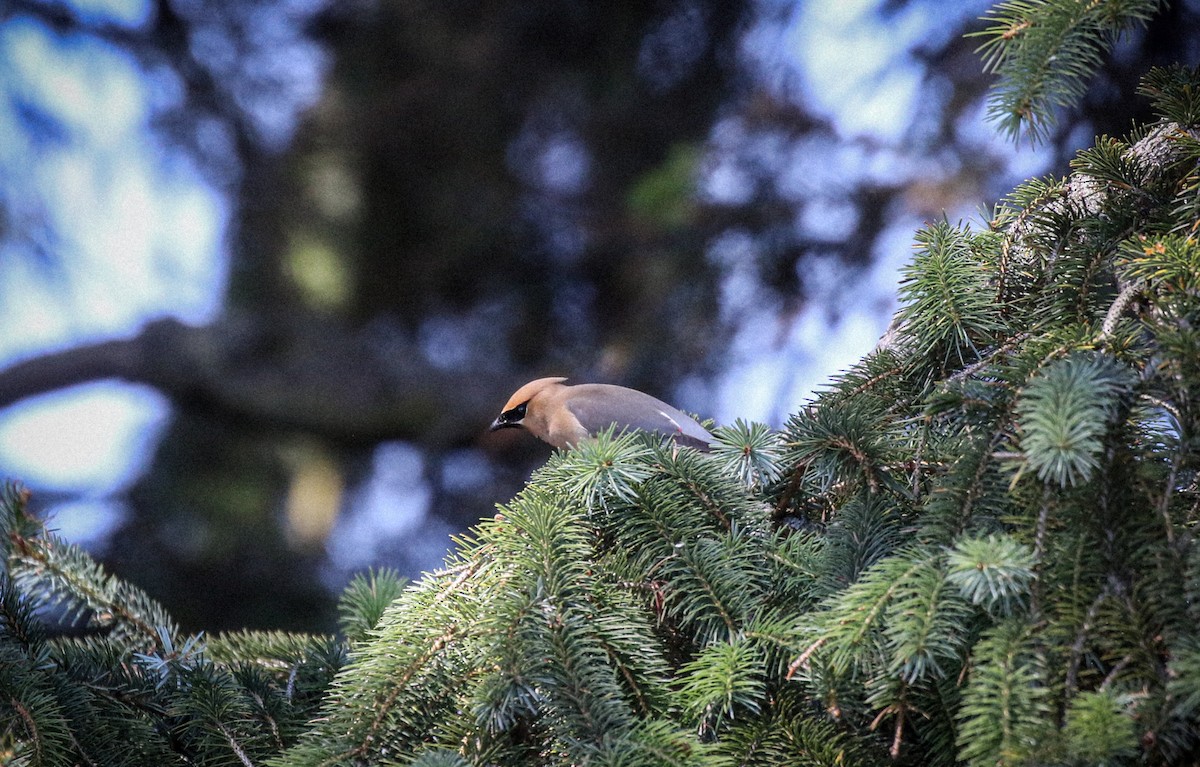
(1005, 709)
(131, 690)
(865, 530)
(751, 451)
(559, 628)
(1064, 412)
(1041, 443)
(976, 547)
(1045, 53)
(1173, 92)
(792, 732)
(994, 572)
(1098, 729)
(364, 600)
(946, 306)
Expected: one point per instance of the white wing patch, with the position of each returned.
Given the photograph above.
(674, 423)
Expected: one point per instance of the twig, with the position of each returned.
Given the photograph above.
(1117, 309)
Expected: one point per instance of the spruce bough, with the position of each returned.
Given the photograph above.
(976, 546)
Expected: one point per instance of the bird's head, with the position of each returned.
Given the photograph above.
(517, 408)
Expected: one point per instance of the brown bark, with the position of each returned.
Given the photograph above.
(313, 375)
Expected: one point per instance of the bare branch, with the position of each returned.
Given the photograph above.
(313, 375)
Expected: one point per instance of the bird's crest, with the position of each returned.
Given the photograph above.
(529, 391)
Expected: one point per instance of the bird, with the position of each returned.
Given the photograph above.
(565, 415)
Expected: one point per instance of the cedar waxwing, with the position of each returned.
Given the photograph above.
(563, 415)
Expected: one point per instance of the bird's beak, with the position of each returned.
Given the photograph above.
(500, 423)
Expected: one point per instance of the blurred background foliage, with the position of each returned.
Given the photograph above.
(402, 210)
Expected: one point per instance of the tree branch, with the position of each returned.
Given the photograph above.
(311, 374)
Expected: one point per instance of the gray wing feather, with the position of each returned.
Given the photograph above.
(598, 406)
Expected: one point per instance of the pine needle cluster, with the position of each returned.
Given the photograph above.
(1045, 53)
(1037, 450)
(94, 672)
(977, 546)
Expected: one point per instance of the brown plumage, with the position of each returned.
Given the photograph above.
(563, 415)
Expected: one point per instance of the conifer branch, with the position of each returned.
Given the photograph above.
(67, 576)
(1085, 627)
(1045, 52)
(989, 359)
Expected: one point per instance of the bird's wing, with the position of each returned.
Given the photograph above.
(601, 405)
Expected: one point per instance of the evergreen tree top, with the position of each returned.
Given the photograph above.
(975, 546)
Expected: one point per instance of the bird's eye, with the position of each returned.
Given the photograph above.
(519, 410)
